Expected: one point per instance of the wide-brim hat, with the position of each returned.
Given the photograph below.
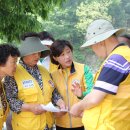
(99, 30)
(47, 42)
(33, 45)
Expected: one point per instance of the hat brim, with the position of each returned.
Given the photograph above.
(43, 53)
(33, 45)
(102, 37)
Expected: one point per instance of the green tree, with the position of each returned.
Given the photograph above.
(86, 12)
(91, 10)
(61, 22)
(117, 12)
(18, 16)
(125, 4)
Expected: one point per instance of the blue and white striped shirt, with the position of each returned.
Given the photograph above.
(115, 70)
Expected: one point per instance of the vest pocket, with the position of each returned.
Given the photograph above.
(30, 95)
(28, 123)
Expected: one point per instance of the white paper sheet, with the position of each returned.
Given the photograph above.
(50, 107)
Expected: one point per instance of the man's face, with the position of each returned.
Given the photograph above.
(100, 49)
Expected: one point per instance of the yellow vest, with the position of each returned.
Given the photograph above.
(50, 116)
(114, 111)
(30, 92)
(2, 114)
(53, 67)
(63, 80)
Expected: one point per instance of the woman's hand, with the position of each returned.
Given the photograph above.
(76, 89)
(34, 108)
(61, 104)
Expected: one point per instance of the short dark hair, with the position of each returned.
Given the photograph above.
(125, 36)
(7, 50)
(45, 35)
(28, 34)
(57, 48)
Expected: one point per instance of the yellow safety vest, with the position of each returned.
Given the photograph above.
(2, 114)
(114, 111)
(50, 116)
(53, 67)
(30, 92)
(63, 80)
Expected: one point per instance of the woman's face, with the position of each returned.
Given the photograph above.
(9, 68)
(66, 57)
(32, 59)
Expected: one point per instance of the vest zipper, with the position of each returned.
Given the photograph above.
(67, 92)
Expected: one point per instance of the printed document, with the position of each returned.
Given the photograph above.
(50, 107)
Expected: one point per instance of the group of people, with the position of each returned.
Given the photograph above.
(46, 72)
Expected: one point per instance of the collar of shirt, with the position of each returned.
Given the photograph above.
(72, 68)
(120, 44)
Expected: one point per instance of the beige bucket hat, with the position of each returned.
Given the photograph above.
(100, 30)
(33, 45)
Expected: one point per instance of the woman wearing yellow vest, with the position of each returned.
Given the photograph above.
(8, 59)
(30, 87)
(107, 107)
(68, 73)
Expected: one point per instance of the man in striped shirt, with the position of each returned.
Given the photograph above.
(107, 106)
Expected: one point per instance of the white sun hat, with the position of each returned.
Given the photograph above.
(47, 42)
(100, 30)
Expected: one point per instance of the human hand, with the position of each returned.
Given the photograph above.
(76, 111)
(76, 89)
(36, 109)
(61, 104)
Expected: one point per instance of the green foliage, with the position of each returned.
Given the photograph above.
(69, 22)
(18, 16)
(117, 13)
(61, 22)
(88, 11)
(125, 7)
(87, 57)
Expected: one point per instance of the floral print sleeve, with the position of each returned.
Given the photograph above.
(55, 96)
(11, 91)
